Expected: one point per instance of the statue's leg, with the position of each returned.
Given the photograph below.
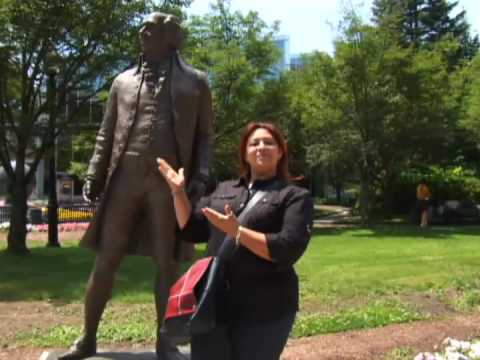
(163, 224)
(99, 290)
(124, 201)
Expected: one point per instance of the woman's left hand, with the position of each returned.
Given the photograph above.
(227, 222)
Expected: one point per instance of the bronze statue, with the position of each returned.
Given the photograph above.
(161, 108)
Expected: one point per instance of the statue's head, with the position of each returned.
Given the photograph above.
(160, 34)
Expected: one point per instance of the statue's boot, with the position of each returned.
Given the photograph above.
(82, 349)
(166, 351)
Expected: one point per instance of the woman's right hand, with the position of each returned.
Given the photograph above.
(175, 180)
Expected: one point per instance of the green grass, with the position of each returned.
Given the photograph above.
(386, 260)
(350, 279)
(133, 324)
(375, 314)
(60, 274)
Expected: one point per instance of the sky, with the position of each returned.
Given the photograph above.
(311, 24)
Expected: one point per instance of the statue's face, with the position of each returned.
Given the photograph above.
(153, 36)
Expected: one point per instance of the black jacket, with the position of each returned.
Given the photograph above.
(260, 289)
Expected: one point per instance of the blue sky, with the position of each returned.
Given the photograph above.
(311, 24)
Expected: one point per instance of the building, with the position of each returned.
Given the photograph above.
(283, 43)
(288, 61)
(296, 62)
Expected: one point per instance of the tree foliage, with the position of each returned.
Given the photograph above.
(470, 81)
(374, 106)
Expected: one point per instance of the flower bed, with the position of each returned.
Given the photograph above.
(454, 350)
(70, 226)
(4, 226)
(65, 214)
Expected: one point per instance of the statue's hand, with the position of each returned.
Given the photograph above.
(90, 192)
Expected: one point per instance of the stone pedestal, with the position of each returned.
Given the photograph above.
(115, 355)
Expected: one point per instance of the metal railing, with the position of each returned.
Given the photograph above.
(4, 214)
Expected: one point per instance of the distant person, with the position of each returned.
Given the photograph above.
(424, 196)
(262, 295)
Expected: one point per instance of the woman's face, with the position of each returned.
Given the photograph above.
(262, 154)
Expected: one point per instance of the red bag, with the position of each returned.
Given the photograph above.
(196, 300)
(182, 300)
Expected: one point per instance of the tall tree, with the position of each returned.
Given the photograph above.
(424, 22)
(440, 22)
(402, 18)
(390, 15)
(437, 21)
(83, 42)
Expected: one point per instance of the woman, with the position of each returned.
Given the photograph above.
(262, 297)
(423, 201)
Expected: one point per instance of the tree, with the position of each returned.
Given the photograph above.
(421, 23)
(375, 106)
(440, 24)
(313, 101)
(470, 83)
(237, 52)
(83, 42)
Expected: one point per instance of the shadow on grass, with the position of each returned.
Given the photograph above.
(60, 274)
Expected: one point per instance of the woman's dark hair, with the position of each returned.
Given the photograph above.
(282, 166)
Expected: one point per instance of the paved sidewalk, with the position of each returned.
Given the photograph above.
(336, 215)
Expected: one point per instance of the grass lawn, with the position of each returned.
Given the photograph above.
(364, 262)
(350, 278)
(358, 278)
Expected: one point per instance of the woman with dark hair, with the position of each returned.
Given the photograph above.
(262, 295)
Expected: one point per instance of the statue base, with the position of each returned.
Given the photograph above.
(116, 355)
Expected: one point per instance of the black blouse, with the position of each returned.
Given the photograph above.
(259, 289)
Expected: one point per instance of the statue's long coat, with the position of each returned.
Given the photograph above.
(192, 116)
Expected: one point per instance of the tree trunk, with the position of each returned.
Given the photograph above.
(388, 196)
(17, 235)
(365, 197)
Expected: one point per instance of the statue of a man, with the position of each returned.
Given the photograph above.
(161, 108)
